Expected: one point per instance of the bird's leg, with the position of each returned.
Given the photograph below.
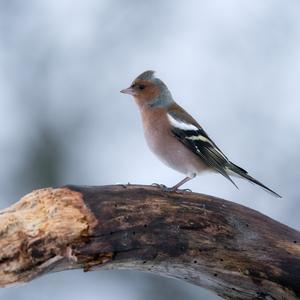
(180, 183)
(176, 186)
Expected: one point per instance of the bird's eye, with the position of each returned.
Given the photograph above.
(141, 86)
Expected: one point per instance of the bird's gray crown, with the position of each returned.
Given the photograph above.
(147, 75)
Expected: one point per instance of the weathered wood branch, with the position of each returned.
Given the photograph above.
(232, 250)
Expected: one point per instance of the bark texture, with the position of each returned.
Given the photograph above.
(232, 250)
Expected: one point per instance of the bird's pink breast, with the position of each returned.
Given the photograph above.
(170, 151)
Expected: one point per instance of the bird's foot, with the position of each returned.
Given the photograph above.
(163, 187)
(183, 191)
(174, 189)
(158, 185)
(168, 189)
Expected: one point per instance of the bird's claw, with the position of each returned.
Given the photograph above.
(163, 187)
(158, 185)
(183, 191)
(166, 189)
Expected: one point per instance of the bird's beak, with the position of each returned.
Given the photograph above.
(129, 91)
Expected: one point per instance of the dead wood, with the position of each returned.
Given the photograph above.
(230, 249)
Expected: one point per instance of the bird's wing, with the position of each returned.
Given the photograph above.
(191, 134)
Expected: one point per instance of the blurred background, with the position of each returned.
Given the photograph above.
(235, 65)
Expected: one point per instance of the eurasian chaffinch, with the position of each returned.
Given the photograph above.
(175, 137)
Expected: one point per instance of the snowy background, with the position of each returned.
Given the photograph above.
(235, 65)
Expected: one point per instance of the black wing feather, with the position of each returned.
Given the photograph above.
(210, 154)
(200, 143)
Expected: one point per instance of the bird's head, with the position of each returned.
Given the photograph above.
(149, 91)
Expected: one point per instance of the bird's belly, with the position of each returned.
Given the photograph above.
(173, 153)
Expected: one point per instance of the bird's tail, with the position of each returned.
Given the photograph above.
(236, 170)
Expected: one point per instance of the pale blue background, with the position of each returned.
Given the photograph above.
(235, 65)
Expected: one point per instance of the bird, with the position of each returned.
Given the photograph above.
(176, 137)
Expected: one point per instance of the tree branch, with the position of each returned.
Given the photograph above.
(232, 250)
